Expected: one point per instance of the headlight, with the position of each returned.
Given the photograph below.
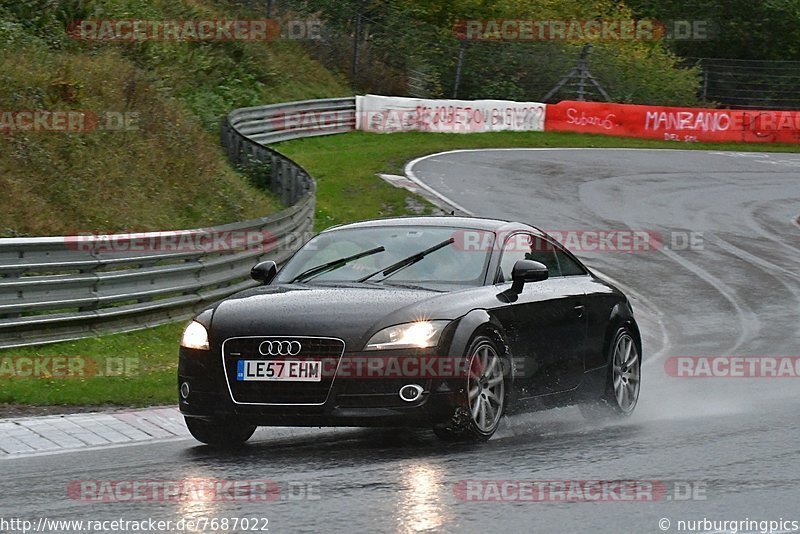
(418, 335)
(195, 337)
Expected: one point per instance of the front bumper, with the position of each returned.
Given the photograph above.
(352, 401)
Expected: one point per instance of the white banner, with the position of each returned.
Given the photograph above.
(387, 114)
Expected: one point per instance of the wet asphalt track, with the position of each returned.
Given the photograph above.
(737, 440)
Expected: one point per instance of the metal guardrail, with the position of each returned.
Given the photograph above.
(69, 287)
(306, 118)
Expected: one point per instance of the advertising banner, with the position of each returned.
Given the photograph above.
(386, 114)
(674, 124)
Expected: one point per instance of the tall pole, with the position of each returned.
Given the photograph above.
(459, 66)
(705, 85)
(356, 38)
(583, 72)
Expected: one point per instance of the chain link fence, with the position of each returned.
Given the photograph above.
(750, 84)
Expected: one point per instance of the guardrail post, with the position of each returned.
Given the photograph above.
(291, 186)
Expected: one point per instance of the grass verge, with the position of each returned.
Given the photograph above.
(131, 369)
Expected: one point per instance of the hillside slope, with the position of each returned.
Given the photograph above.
(152, 161)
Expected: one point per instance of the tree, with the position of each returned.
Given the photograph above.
(745, 29)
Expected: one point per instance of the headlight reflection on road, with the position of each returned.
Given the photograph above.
(201, 505)
(421, 507)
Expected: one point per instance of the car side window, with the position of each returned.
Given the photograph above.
(544, 252)
(569, 267)
(523, 246)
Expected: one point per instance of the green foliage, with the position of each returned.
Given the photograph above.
(746, 29)
(645, 76)
(406, 34)
(169, 173)
(45, 19)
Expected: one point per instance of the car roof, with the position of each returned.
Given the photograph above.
(472, 223)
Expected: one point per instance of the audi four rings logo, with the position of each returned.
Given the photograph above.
(280, 348)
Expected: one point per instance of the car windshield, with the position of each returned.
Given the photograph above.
(451, 264)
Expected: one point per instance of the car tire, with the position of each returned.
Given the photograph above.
(483, 402)
(219, 432)
(623, 382)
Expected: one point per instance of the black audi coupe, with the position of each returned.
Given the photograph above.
(440, 322)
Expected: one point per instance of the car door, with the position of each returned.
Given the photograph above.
(545, 323)
(598, 301)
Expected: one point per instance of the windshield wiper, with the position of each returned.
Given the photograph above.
(332, 265)
(405, 262)
(408, 285)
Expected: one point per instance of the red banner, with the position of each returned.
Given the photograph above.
(674, 124)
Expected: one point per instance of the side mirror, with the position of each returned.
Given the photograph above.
(264, 272)
(527, 271)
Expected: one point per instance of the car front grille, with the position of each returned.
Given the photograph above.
(326, 350)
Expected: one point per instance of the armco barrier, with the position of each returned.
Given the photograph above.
(61, 288)
(265, 125)
(674, 124)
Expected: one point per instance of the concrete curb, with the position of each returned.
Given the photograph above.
(55, 433)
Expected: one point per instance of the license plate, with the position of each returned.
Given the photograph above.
(290, 371)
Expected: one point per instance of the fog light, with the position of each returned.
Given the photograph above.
(185, 390)
(410, 392)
